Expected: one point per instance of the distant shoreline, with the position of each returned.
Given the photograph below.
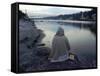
(69, 21)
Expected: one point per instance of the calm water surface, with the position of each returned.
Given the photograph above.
(82, 41)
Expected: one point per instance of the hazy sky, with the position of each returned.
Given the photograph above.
(44, 11)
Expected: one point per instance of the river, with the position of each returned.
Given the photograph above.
(82, 40)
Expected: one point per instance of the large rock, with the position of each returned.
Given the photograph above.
(29, 38)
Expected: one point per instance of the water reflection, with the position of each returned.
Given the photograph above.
(82, 40)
